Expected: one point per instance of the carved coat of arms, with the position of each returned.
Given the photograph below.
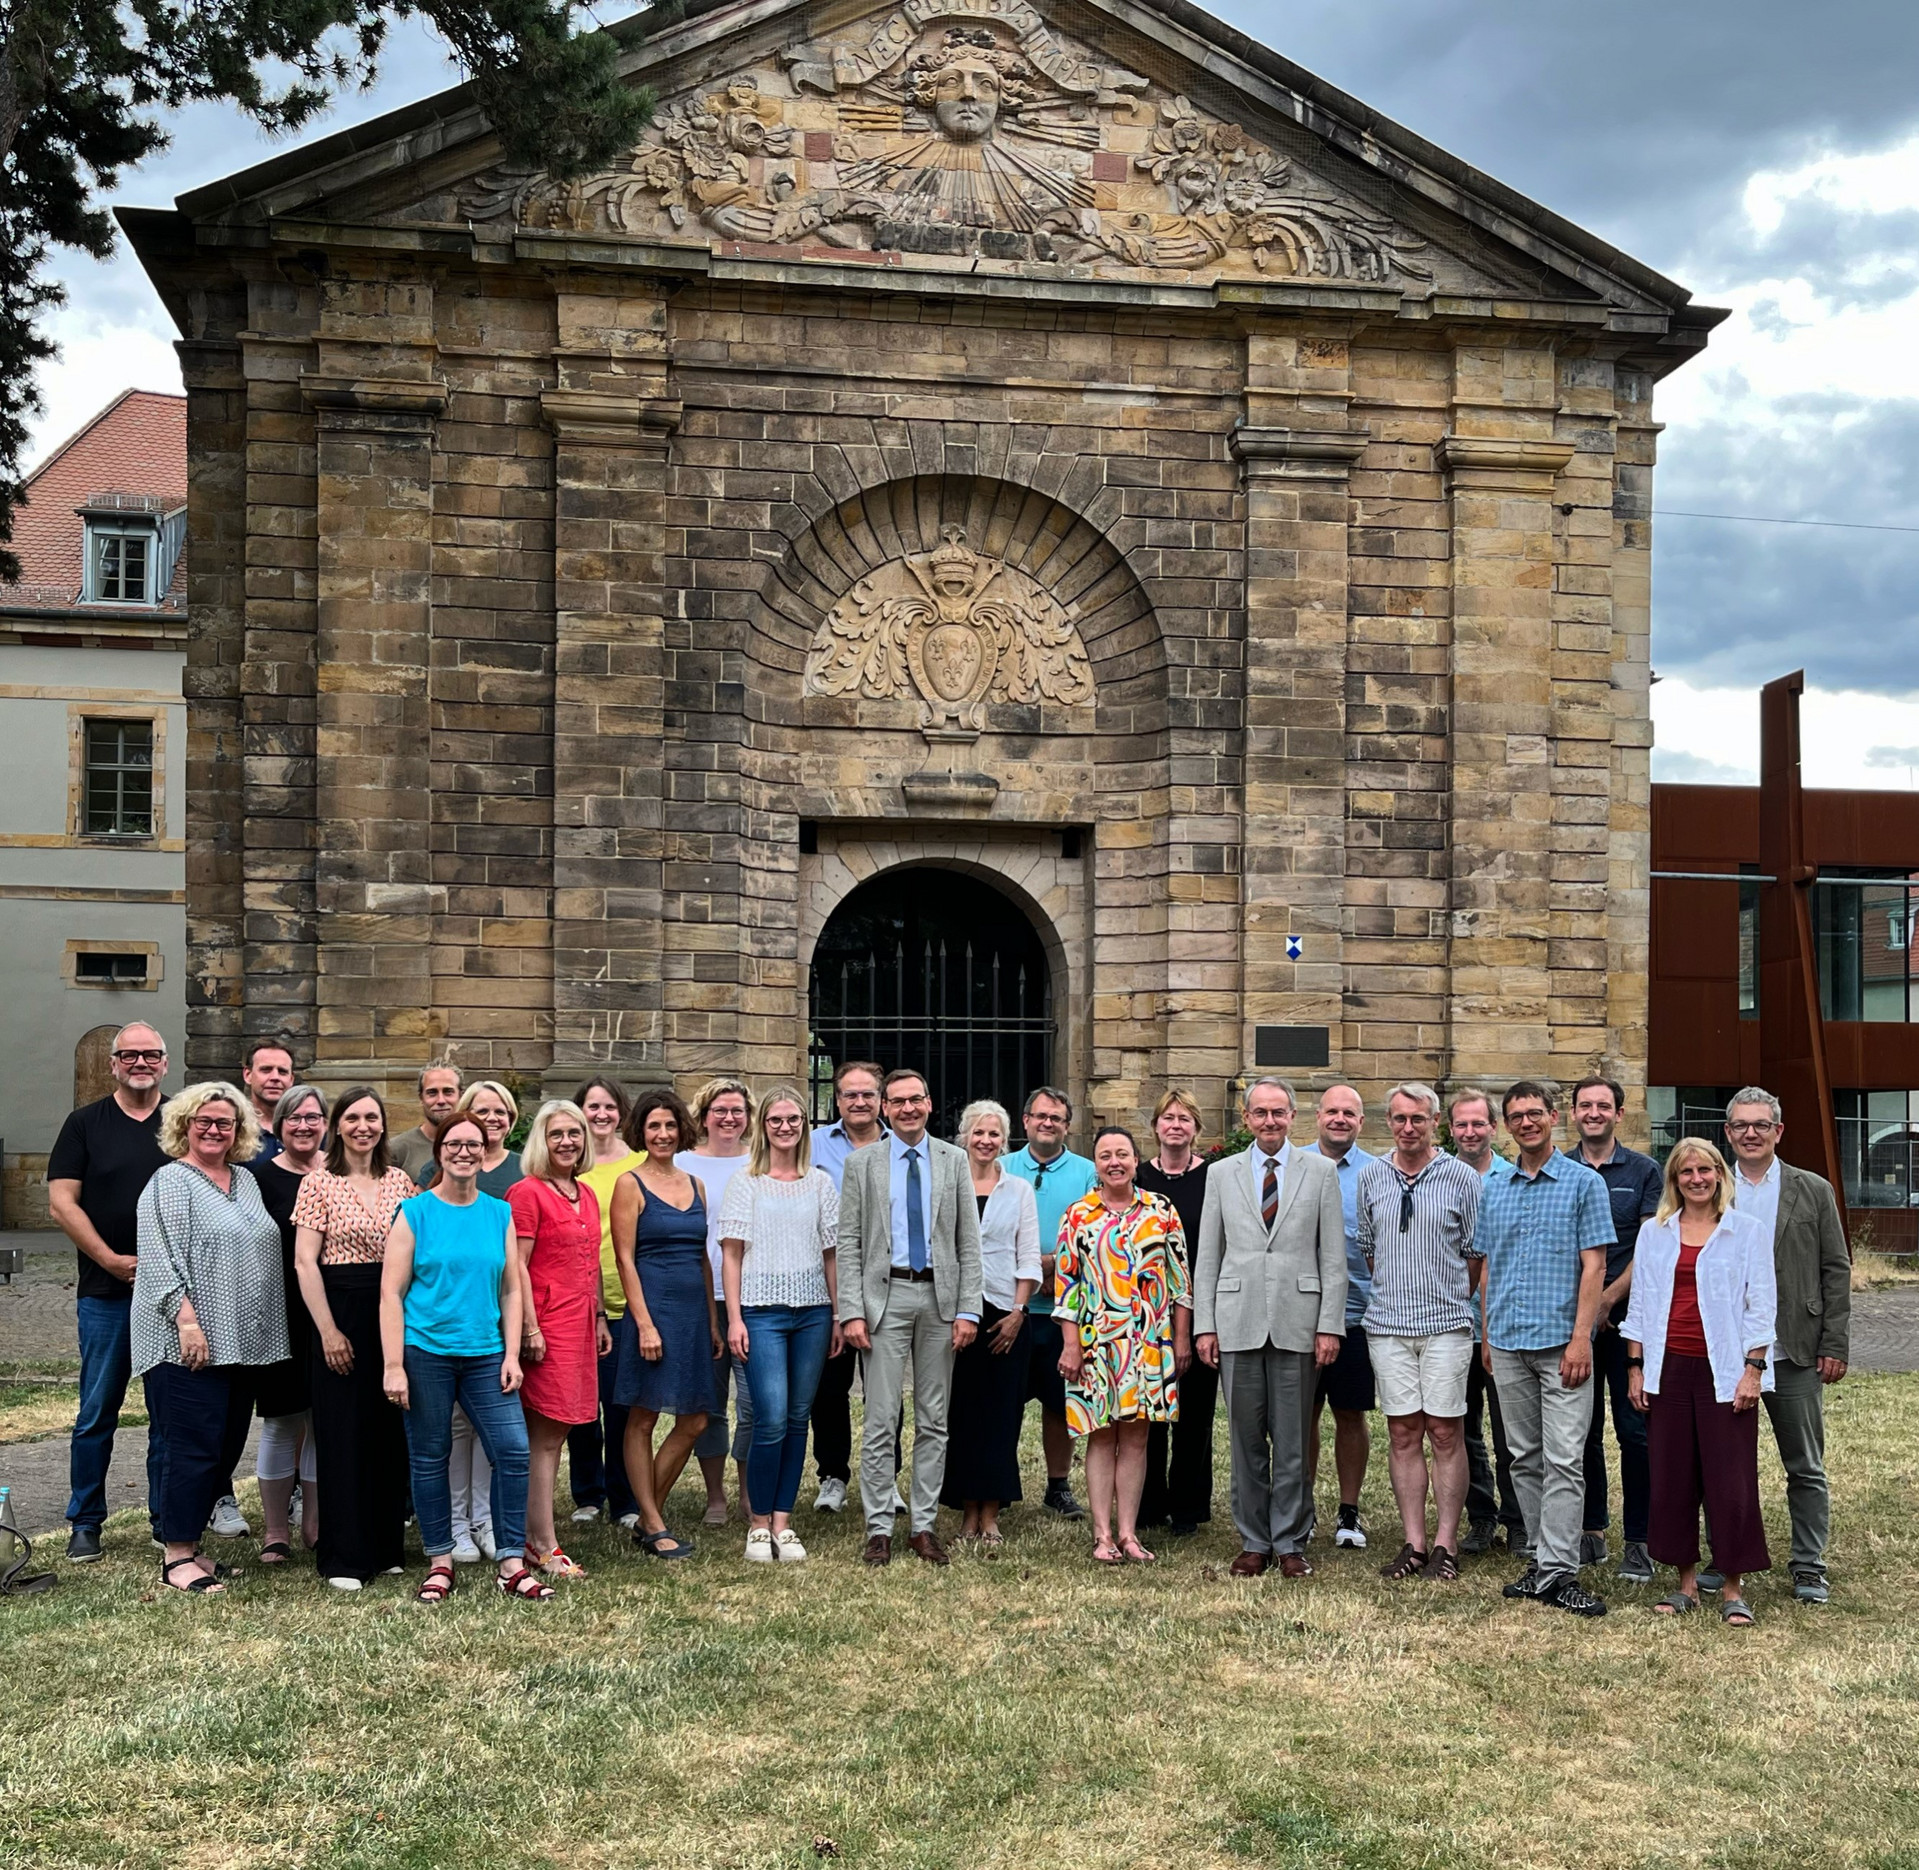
(966, 127)
(956, 629)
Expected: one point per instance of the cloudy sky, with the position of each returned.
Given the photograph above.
(1764, 153)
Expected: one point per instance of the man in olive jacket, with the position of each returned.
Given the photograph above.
(1814, 1270)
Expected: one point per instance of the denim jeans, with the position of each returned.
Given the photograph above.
(203, 1417)
(434, 1384)
(106, 1366)
(786, 1351)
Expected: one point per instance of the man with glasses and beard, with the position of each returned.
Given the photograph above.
(106, 1154)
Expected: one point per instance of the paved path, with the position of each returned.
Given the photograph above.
(1885, 1329)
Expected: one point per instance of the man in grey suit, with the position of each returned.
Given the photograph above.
(1814, 1270)
(1269, 1310)
(909, 1291)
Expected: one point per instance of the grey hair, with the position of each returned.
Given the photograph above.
(976, 1112)
(459, 1077)
(292, 1101)
(1270, 1084)
(1420, 1094)
(1752, 1094)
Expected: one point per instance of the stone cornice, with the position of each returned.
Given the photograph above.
(373, 402)
(1297, 454)
(1507, 463)
(608, 419)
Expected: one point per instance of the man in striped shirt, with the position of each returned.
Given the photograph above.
(1418, 1211)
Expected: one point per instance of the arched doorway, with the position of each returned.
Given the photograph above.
(937, 971)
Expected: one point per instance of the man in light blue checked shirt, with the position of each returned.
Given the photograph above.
(1544, 1230)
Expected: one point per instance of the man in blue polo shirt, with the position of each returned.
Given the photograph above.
(1544, 1231)
(1059, 1179)
(1633, 1186)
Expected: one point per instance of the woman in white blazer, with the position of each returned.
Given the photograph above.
(1699, 1331)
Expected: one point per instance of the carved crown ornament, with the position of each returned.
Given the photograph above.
(988, 137)
(954, 629)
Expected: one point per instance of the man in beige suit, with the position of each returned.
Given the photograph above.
(909, 1290)
(1269, 1309)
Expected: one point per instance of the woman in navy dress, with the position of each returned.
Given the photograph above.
(665, 1346)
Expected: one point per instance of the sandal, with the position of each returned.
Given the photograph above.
(556, 1564)
(1442, 1565)
(1105, 1552)
(201, 1582)
(525, 1582)
(1679, 1604)
(1136, 1554)
(1409, 1564)
(437, 1586)
(991, 1541)
(663, 1544)
(1736, 1611)
(275, 1552)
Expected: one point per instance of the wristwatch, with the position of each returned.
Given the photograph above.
(1635, 1363)
(1756, 1363)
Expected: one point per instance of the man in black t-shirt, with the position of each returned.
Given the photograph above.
(105, 1156)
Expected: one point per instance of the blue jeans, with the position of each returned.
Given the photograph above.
(203, 1417)
(106, 1367)
(786, 1351)
(596, 1468)
(434, 1384)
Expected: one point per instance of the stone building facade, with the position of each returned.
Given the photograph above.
(1066, 447)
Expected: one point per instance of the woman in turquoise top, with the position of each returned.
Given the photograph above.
(450, 1332)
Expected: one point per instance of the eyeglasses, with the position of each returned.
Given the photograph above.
(1409, 1119)
(1527, 1116)
(783, 1123)
(1763, 1127)
(1044, 1116)
(212, 1126)
(139, 1056)
(903, 1103)
(463, 1149)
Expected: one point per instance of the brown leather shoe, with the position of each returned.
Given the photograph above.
(926, 1545)
(1251, 1564)
(1294, 1565)
(879, 1550)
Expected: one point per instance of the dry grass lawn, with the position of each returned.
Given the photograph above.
(1026, 1710)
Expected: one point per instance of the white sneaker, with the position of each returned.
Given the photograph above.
(465, 1552)
(832, 1497)
(227, 1522)
(585, 1515)
(899, 1501)
(1351, 1536)
(629, 1522)
(789, 1544)
(296, 1509)
(483, 1538)
(344, 1584)
(759, 1546)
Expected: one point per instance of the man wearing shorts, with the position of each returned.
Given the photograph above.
(1417, 1213)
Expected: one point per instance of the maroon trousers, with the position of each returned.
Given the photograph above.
(1702, 1452)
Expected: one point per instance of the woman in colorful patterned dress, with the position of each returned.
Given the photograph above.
(1124, 1303)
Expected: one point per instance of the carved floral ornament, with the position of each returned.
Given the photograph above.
(988, 137)
(955, 629)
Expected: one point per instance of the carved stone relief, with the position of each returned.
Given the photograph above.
(987, 137)
(954, 629)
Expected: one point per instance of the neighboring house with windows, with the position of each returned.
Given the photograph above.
(92, 772)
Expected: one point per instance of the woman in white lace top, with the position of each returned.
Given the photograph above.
(778, 1225)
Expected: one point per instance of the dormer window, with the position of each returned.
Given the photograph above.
(120, 564)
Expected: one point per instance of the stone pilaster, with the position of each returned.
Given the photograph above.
(1294, 862)
(1502, 461)
(375, 399)
(612, 423)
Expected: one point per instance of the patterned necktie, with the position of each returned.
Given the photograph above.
(1269, 1196)
(915, 1215)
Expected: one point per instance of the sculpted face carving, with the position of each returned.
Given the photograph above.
(966, 99)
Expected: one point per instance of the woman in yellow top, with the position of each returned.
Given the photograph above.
(595, 1459)
(1124, 1303)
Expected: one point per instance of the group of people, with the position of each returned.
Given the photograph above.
(423, 1322)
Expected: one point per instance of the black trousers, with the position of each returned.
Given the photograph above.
(986, 1398)
(202, 1417)
(596, 1465)
(1483, 1476)
(833, 1420)
(1179, 1455)
(359, 1439)
(1629, 1428)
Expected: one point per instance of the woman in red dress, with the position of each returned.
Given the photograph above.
(557, 1219)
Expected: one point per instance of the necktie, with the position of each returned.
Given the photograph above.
(1269, 1195)
(915, 1215)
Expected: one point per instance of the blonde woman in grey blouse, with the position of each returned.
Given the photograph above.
(779, 1224)
(209, 1312)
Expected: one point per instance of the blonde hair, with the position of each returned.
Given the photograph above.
(974, 1115)
(1185, 1100)
(183, 1106)
(759, 1153)
(710, 1092)
(535, 1158)
(464, 1107)
(1671, 1200)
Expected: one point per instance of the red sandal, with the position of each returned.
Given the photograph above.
(526, 1582)
(437, 1586)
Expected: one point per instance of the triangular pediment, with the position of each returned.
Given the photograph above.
(1085, 139)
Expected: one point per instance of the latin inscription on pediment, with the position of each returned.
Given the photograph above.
(965, 128)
